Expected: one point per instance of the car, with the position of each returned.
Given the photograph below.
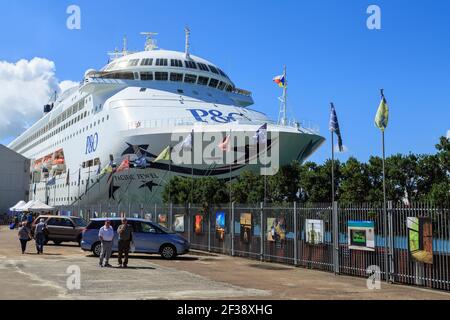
(61, 228)
(148, 237)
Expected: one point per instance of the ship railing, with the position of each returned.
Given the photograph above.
(304, 125)
(242, 92)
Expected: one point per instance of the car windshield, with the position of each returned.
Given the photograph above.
(79, 222)
(164, 229)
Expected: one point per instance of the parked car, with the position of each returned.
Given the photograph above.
(148, 237)
(61, 228)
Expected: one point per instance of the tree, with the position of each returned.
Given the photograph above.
(355, 181)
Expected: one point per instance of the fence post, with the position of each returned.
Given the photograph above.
(295, 235)
(232, 229)
(170, 222)
(335, 237)
(189, 223)
(261, 231)
(391, 270)
(209, 230)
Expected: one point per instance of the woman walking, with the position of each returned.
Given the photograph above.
(24, 236)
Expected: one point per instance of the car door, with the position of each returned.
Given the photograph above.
(147, 238)
(66, 229)
(53, 228)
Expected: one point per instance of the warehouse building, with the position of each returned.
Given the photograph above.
(14, 178)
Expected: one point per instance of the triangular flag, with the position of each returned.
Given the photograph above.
(164, 155)
(334, 127)
(125, 165)
(225, 144)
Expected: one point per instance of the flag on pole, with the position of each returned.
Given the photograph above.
(51, 182)
(141, 162)
(187, 142)
(225, 144)
(261, 135)
(125, 165)
(334, 127)
(164, 155)
(382, 117)
(281, 81)
(68, 177)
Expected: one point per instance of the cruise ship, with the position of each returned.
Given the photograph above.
(98, 142)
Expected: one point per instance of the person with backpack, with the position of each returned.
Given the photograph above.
(24, 236)
(39, 235)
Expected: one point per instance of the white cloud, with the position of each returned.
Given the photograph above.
(25, 86)
(344, 147)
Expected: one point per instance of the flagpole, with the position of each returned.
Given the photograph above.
(284, 120)
(332, 169)
(384, 210)
(231, 200)
(192, 166)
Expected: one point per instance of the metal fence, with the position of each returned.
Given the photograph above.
(408, 245)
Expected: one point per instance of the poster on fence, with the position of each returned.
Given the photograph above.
(276, 229)
(162, 220)
(314, 231)
(361, 235)
(220, 226)
(178, 223)
(246, 227)
(198, 224)
(148, 217)
(420, 239)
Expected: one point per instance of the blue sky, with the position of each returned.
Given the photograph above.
(330, 54)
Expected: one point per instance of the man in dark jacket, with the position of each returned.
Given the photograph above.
(125, 232)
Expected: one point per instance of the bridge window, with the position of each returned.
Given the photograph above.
(161, 76)
(221, 85)
(178, 77)
(145, 76)
(213, 70)
(202, 66)
(203, 81)
(161, 62)
(229, 88)
(190, 64)
(222, 73)
(213, 83)
(190, 78)
(146, 62)
(176, 63)
(133, 63)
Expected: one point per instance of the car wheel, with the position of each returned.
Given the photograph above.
(97, 249)
(168, 252)
(57, 242)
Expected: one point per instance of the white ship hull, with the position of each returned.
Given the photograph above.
(120, 119)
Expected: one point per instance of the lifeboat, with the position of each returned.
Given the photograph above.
(59, 162)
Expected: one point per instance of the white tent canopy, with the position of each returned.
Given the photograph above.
(39, 206)
(18, 206)
(27, 206)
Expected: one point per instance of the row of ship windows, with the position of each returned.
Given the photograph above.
(173, 76)
(161, 62)
(57, 143)
(55, 122)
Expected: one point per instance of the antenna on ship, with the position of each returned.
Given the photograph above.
(187, 32)
(282, 118)
(125, 45)
(150, 43)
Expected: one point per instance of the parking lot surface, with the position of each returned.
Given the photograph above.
(194, 276)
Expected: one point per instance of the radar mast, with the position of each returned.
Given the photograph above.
(150, 43)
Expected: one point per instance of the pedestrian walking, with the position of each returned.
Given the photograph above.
(106, 236)
(39, 235)
(29, 219)
(24, 236)
(125, 232)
